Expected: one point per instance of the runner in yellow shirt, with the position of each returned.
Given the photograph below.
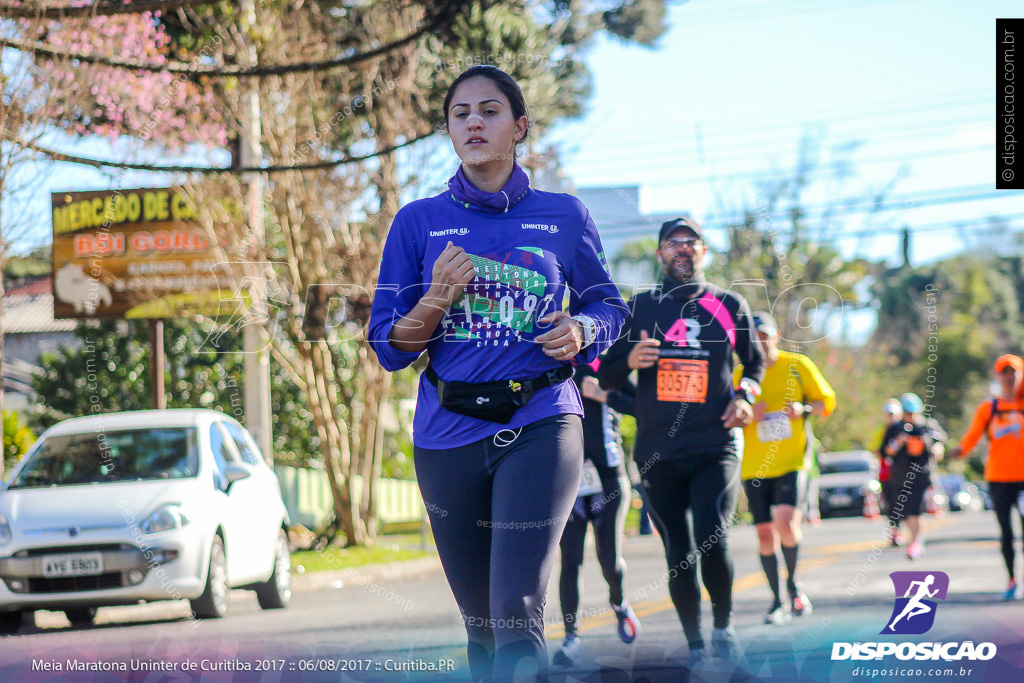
(774, 459)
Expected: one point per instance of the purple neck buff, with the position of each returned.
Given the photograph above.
(465, 192)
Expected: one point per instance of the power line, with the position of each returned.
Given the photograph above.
(769, 141)
(53, 155)
(855, 206)
(837, 115)
(762, 175)
(801, 8)
(714, 155)
(98, 9)
(772, 140)
(238, 72)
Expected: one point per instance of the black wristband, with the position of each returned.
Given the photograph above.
(746, 396)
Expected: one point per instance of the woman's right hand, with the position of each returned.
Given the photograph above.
(453, 270)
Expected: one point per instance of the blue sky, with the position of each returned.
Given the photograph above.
(904, 90)
(901, 89)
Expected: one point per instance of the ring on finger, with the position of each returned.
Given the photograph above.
(565, 350)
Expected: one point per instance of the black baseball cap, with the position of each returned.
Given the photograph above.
(681, 223)
(764, 322)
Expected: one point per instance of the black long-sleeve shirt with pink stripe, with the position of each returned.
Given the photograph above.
(682, 397)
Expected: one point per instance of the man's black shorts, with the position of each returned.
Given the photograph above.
(786, 489)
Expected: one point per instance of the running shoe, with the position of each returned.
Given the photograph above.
(800, 604)
(1012, 591)
(570, 653)
(723, 642)
(915, 550)
(698, 656)
(777, 614)
(895, 541)
(629, 625)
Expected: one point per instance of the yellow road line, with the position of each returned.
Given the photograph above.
(932, 525)
(820, 556)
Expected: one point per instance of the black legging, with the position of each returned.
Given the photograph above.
(497, 509)
(702, 487)
(1004, 499)
(609, 524)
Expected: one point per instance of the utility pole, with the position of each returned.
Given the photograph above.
(157, 395)
(255, 338)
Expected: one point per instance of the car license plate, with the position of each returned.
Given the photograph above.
(77, 564)
(839, 499)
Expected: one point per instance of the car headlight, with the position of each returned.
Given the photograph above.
(871, 487)
(5, 531)
(963, 498)
(165, 517)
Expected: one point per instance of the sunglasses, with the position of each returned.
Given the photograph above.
(677, 243)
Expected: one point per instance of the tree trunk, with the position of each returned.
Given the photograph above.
(335, 439)
(388, 111)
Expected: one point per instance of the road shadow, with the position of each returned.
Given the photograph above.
(29, 627)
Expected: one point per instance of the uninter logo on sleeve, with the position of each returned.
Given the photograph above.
(913, 614)
(540, 226)
(445, 232)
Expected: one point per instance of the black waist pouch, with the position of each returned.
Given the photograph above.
(494, 401)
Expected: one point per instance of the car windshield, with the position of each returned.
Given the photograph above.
(952, 484)
(845, 466)
(129, 455)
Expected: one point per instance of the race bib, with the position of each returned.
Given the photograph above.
(1008, 424)
(682, 380)
(590, 481)
(774, 427)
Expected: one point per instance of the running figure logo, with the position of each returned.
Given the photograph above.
(914, 612)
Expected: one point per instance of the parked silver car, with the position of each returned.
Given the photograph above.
(847, 477)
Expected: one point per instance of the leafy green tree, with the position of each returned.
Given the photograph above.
(948, 321)
(18, 438)
(109, 371)
(327, 225)
(863, 377)
(32, 263)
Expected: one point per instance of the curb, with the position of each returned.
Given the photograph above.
(362, 575)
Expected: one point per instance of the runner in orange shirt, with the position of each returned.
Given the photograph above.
(1002, 420)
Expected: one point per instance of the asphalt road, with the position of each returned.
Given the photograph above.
(397, 629)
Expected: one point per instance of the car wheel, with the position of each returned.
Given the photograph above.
(213, 603)
(277, 591)
(10, 622)
(81, 616)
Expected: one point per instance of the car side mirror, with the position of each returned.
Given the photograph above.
(235, 473)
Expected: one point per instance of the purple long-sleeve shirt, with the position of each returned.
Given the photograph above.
(527, 259)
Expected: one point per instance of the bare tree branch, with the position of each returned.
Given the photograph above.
(54, 155)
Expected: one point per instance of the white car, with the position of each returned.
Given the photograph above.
(123, 508)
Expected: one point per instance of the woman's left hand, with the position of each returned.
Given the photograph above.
(565, 339)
